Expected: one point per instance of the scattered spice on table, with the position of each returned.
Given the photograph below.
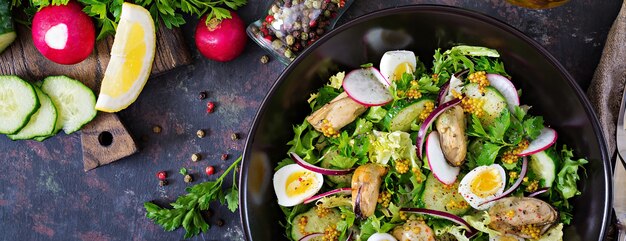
(188, 178)
(163, 183)
(156, 129)
(161, 175)
(220, 222)
(224, 157)
(202, 95)
(210, 107)
(234, 136)
(210, 170)
(200, 133)
(265, 59)
(195, 157)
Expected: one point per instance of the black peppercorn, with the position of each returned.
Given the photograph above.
(202, 95)
(220, 222)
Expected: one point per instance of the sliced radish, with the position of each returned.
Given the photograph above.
(544, 141)
(441, 214)
(367, 87)
(443, 171)
(506, 88)
(514, 186)
(421, 135)
(311, 236)
(345, 190)
(314, 168)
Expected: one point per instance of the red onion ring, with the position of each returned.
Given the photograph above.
(539, 192)
(311, 236)
(314, 168)
(441, 214)
(345, 190)
(421, 135)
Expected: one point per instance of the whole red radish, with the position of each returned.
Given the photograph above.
(64, 34)
(221, 40)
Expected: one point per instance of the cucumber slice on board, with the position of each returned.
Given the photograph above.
(401, 116)
(75, 102)
(494, 104)
(18, 102)
(41, 123)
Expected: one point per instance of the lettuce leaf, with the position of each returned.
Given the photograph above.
(480, 222)
(376, 114)
(568, 175)
(336, 81)
(395, 145)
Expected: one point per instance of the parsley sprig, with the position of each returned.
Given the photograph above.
(169, 12)
(186, 211)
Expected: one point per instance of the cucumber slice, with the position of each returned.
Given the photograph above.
(18, 102)
(494, 104)
(441, 197)
(543, 165)
(75, 102)
(401, 116)
(42, 123)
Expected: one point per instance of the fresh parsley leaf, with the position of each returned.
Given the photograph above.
(343, 162)
(345, 223)
(487, 154)
(302, 142)
(476, 128)
(186, 209)
(490, 65)
(363, 126)
(500, 125)
(533, 126)
(519, 113)
(515, 133)
(325, 95)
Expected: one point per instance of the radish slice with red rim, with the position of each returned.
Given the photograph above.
(514, 186)
(506, 89)
(541, 191)
(314, 168)
(444, 215)
(367, 87)
(545, 140)
(345, 190)
(443, 171)
(311, 236)
(421, 134)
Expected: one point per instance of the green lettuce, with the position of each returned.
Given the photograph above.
(336, 81)
(480, 222)
(395, 145)
(376, 114)
(568, 175)
(553, 234)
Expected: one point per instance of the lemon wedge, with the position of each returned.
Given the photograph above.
(131, 60)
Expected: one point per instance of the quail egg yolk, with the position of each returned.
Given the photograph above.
(299, 182)
(486, 183)
(401, 69)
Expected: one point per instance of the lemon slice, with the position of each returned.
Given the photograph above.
(131, 59)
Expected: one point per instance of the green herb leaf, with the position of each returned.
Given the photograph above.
(533, 126)
(367, 65)
(568, 175)
(302, 142)
(183, 171)
(186, 209)
(487, 154)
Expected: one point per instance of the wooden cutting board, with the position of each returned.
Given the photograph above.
(105, 139)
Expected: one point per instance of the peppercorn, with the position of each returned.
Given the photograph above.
(290, 39)
(320, 31)
(163, 183)
(220, 222)
(161, 175)
(202, 95)
(234, 136)
(224, 157)
(200, 133)
(288, 53)
(210, 107)
(265, 59)
(188, 178)
(156, 129)
(209, 170)
(195, 157)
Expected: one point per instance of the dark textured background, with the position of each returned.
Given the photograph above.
(45, 195)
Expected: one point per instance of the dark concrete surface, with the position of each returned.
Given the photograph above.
(45, 195)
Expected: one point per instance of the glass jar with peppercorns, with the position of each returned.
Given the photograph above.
(292, 25)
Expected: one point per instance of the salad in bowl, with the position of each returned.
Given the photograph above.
(409, 153)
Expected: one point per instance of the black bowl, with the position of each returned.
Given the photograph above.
(546, 86)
